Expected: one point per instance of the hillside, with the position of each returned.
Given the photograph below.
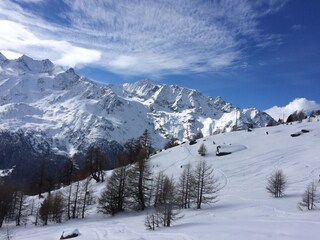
(244, 211)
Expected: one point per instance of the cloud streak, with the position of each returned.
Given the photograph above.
(141, 36)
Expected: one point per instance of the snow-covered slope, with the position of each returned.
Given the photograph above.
(69, 111)
(244, 211)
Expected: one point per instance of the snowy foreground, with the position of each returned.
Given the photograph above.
(244, 211)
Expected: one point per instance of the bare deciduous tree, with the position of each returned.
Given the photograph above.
(205, 184)
(74, 209)
(52, 208)
(277, 183)
(185, 187)
(57, 207)
(167, 208)
(309, 198)
(45, 210)
(20, 208)
(6, 234)
(152, 221)
(95, 161)
(86, 196)
(139, 182)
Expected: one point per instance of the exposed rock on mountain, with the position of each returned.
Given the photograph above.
(67, 112)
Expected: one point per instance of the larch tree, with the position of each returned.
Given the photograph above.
(57, 207)
(145, 142)
(202, 150)
(112, 199)
(167, 208)
(185, 187)
(205, 184)
(309, 198)
(139, 182)
(20, 208)
(87, 197)
(45, 210)
(95, 161)
(277, 183)
(158, 186)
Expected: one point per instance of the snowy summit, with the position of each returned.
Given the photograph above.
(65, 109)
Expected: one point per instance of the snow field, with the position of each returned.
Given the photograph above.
(244, 211)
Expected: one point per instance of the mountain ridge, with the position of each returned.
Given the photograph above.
(75, 111)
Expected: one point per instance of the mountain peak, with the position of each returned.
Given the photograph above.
(25, 58)
(71, 71)
(27, 63)
(75, 111)
(144, 83)
(2, 58)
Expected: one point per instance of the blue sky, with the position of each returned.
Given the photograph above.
(251, 53)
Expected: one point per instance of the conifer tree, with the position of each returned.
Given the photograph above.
(112, 199)
(139, 182)
(202, 150)
(205, 184)
(45, 210)
(167, 207)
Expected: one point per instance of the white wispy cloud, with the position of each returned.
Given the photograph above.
(15, 40)
(32, 1)
(139, 37)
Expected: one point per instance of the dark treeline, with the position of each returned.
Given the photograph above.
(40, 168)
(46, 175)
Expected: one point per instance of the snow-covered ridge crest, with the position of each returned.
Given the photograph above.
(74, 111)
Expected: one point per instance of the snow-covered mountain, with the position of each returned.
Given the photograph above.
(69, 112)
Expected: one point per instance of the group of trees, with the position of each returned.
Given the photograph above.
(315, 113)
(299, 116)
(278, 182)
(309, 198)
(171, 143)
(134, 187)
(70, 203)
(73, 201)
(13, 204)
(296, 116)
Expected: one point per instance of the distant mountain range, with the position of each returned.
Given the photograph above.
(61, 112)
